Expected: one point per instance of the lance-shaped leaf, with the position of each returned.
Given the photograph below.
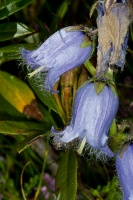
(12, 52)
(11, 6)
(28, 141)
(66, 178)
(13, 30)
(19, 95)
(21, 128)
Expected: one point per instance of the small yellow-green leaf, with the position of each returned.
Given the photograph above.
(15, 91)
(86, 42)
(113, 129)
(66, 178)
(99, 85)
(113, 88)
(116, 141)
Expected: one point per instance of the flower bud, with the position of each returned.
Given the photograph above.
(92, 116)
(60, 53)
(124, 167)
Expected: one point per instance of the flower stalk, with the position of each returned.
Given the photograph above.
(59, 105)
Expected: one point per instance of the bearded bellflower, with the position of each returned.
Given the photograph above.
(124, 167)
(91, 118)
(61, 52)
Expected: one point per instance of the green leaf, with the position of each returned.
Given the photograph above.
(61, 12)
(12, 30)
(117, 141)
(13, 52)
(107, 192)
(37, 84)
(8, 7)
(99, 85)
(94, 6)
(15, 91)
(86, 42)
(28, 141)
(66, 178)
(47, 116)
(21, 128)
(113, 129)
(8, 112)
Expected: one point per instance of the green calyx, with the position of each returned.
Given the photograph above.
(89, 35)
(86, 42)
(120, 136)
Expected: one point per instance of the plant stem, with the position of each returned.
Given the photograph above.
(42, 173)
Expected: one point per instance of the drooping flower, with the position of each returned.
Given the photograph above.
(113, 19)
(91, 118)
(124, 167)
(61, 52)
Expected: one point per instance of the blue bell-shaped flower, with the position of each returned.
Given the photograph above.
(124, 167)
(92, 117)
(61, 52)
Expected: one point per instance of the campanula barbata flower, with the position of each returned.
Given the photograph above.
(113, 19)
(61, 52)
(124, 167)
(91, 118)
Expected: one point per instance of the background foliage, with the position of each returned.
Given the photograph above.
(28, 161)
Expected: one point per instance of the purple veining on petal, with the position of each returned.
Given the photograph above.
(69, 58)
(124, 167)
(59, 53)
(92, 116)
